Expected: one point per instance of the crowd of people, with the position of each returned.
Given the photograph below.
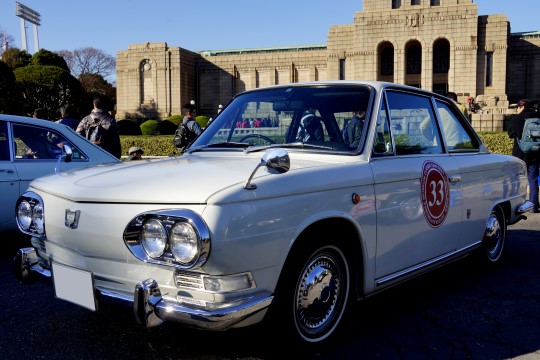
(258, 122)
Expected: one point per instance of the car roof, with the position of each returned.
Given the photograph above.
(31, 121)
(377, 85)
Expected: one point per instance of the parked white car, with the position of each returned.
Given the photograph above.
(30, 148)
(271, 215)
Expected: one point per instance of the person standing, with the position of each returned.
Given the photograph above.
(352, 133)
(66, 119)
(39, 113)
(515, 131)
(463, 108)
(100, 128)
(189, 119)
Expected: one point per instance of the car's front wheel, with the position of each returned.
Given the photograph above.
(313, 293)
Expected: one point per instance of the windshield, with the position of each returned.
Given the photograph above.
(322, 118)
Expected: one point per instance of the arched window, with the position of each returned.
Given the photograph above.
(441, 56)
(414, 58)
(387, 60)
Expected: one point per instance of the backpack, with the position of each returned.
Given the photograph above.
(96, 133)
(183, 136)
(530, 138)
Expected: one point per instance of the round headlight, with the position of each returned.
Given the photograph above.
(184, 243)
(154, 238)
(37, 218)
(24, 214)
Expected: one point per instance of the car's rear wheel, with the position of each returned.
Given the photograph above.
(494, 236)
(313, 293)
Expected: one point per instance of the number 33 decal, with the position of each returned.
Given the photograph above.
(435, 193)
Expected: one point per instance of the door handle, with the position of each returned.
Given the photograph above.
(454, 179)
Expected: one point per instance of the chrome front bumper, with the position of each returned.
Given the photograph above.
(149, 307)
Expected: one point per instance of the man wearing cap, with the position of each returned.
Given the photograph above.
(135, 153)
(515, 130)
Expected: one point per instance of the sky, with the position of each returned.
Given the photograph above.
(113, 25)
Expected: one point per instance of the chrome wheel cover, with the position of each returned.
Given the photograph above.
(321, 294)
(494, 237)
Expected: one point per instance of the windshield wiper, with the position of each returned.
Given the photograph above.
(224, 144)
(229, 144)
(295, 145)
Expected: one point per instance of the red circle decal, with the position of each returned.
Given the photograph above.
(435, 193)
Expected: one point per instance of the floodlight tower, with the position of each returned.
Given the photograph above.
(25, 13)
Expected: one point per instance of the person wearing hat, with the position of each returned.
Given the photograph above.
(135, 153)
(532, 160)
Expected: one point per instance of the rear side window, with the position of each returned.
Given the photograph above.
(454, 133)
(413, 124)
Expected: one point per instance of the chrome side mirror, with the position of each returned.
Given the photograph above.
(277, 161)
(67, 156)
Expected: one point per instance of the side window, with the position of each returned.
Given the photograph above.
(382, 143)
(413, 124)
(4, 142)
(39, 143)
(454, 134)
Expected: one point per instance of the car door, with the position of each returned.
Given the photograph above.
(37, 152)
(9, 180)
(478, 196)
(417, 187)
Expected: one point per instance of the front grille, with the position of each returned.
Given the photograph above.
(39, 244)
(189, 280)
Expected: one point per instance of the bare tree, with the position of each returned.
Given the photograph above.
(6, 41)
(88, 60)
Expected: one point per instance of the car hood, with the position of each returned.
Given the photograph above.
(190, 179)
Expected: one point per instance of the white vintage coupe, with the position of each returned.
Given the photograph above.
(279, 211)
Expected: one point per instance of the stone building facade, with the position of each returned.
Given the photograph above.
(439, 45)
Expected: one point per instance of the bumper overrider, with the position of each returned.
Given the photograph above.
(179, 241)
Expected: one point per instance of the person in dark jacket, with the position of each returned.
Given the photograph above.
(515, 130)
(189, 115)
(66, 119)
(101, 129)
(352, 133)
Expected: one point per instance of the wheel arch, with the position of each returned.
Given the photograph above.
(341, 232)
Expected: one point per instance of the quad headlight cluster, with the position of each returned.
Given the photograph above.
(30, 214)
(177, 238)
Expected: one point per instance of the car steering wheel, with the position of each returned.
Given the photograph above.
(257, 136)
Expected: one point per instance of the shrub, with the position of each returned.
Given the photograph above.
(166, 127)
(160, 145)
(497, 142)
(129, 127)
(149, 127)
(202, 120)
(175, 119)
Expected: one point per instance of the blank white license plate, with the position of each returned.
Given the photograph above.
(74, 285)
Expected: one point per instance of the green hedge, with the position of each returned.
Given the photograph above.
(162, 145)
(498, 143)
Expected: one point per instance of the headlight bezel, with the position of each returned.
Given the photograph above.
(170, 219)
(33, 221)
